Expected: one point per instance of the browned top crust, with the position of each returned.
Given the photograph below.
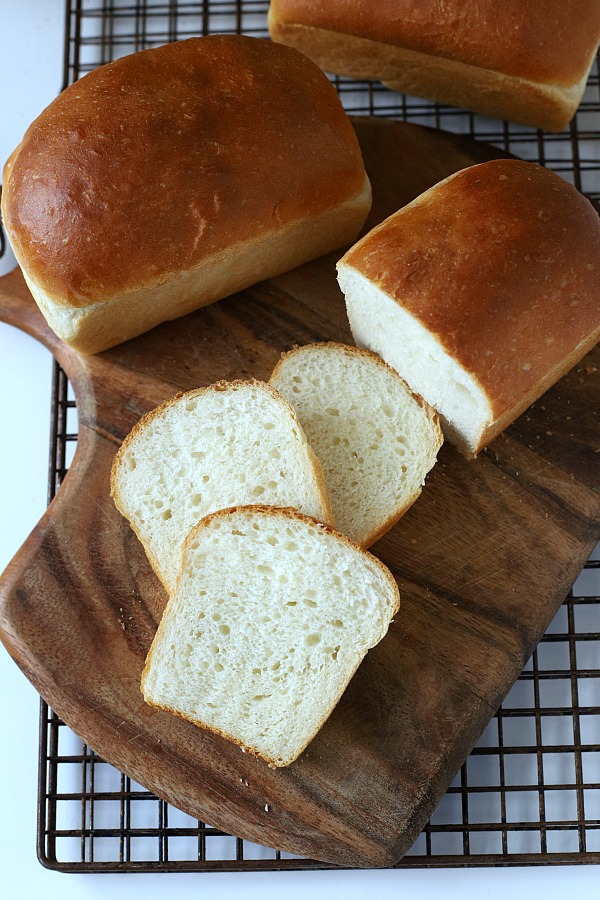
(501, 263)
(551, 41)
(148, 165)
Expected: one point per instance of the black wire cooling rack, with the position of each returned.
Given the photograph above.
(530, 791)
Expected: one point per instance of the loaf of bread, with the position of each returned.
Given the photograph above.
(216, 447)
(176, 176)
(481, 293)
(374, 438)
(520, 60)
(271, 616)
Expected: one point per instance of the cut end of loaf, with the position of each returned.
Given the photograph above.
(272, 614)
(379, 324)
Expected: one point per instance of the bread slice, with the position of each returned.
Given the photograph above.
(272, 614)
(208, 449)
(481, 293)
(374, 438)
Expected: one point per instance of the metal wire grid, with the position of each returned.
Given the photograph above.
(530, 791)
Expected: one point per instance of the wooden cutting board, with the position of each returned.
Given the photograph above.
(483, 560)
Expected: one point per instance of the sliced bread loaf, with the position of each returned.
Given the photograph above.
(481, 293)
(208, 449)
(271, 616)
(374, 438)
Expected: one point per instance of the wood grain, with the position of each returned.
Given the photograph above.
(483, 559)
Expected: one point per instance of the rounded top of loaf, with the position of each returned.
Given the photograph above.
(500, 263)
(552, 42)
(150, 164)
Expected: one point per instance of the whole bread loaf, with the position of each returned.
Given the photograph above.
(374, 438)
(231, 443)
(481, 293)
(173, 177)
(270, 618)
(520, 60)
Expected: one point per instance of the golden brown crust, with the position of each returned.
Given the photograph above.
(102, 325)
(513, 37)
(447, 81)
(497, 59)
(150, 164)
(500, 262)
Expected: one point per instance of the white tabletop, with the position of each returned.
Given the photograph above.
(31, 34)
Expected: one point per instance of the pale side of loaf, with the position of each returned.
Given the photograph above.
(216, 447)
(175, 176)
(508, 59)
(481, 293)
(375, 439)
(272, 615)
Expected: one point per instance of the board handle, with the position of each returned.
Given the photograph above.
(18, 308)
